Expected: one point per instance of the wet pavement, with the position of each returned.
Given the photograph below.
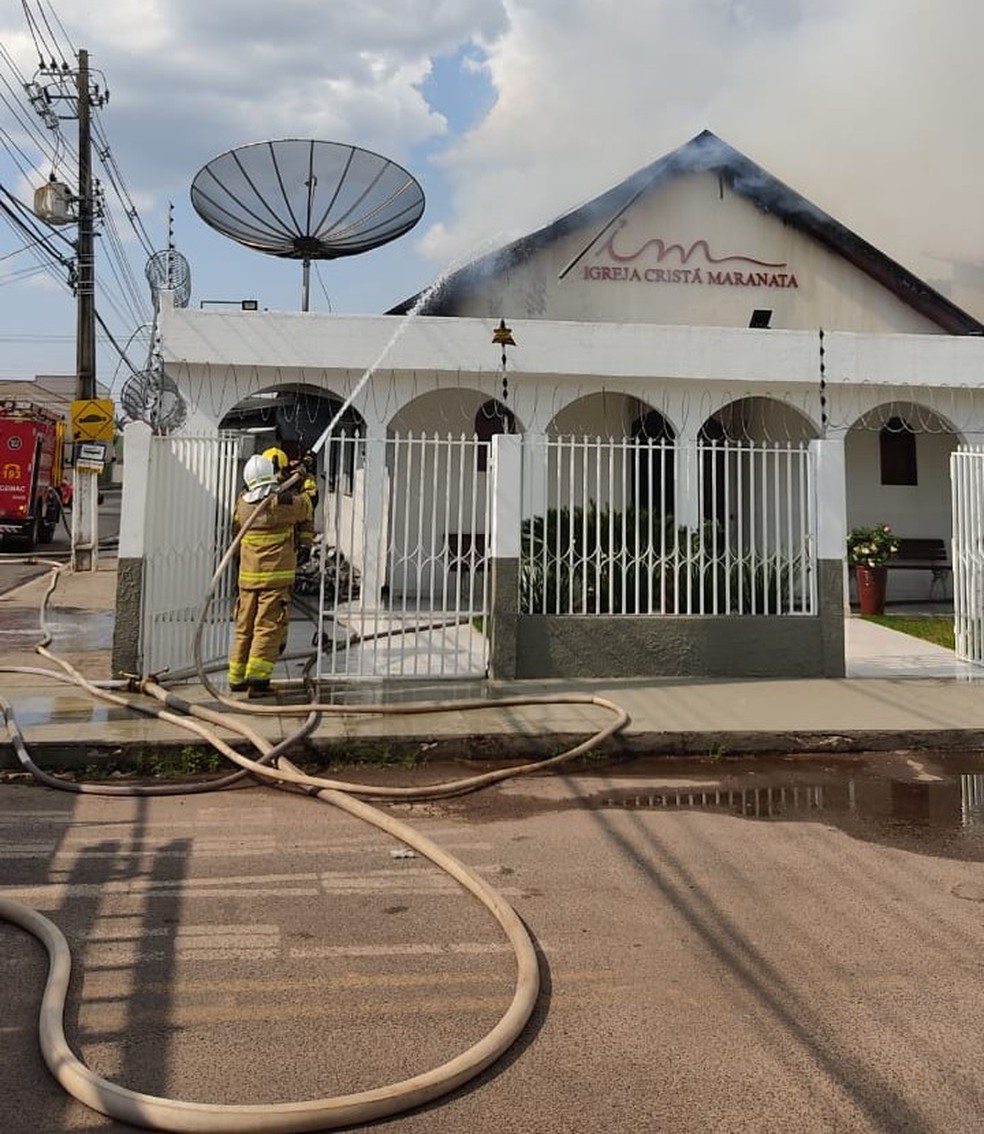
(70, 629)
(701, 968)
(69, 708)
(786, 869)
(790, 870)
(925, 803)
(900, 693)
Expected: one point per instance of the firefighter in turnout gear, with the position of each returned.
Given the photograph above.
(308, 486)
(267, 563)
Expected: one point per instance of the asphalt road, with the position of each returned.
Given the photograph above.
(14, 572)
(704, 968)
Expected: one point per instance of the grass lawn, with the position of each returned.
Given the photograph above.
(932, 629)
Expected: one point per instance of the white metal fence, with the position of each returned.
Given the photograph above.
(404, 590)
(603, 534)
(967, 478)
(399, 587)
(192, 485)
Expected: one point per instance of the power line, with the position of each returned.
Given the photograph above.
(127, 316)
(51, 33)
(39, 244)
(37, 109)
(15, 152)
(31, 28)
(122, 272)
(61, 27)
(121, 351)
(29, 220)
(16, 252)
(24, 120)
(62, 338)
(42, 46)
(22, 274)
(115, 176)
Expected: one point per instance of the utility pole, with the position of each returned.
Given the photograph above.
(85, 508)
(85, 335)
(57, 87)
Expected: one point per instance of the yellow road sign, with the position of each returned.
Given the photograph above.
(93, 419)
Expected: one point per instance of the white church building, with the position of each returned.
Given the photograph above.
(630, 443)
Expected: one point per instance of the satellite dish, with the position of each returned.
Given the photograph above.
(307, 200)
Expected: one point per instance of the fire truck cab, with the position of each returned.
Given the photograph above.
(32, 487)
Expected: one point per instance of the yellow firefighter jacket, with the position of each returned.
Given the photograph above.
(305, 530)
(267, 555)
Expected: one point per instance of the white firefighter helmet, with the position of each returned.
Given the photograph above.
(260, 477)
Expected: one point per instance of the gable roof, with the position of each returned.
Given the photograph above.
(707, 153)
(52, 391)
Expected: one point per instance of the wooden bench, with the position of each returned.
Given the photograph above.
(923, 555)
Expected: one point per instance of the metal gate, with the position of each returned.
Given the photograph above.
(403, 588)
(967, 478)
(398, 586)
(191, 490)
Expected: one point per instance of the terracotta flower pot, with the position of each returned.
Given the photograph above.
(872, 582)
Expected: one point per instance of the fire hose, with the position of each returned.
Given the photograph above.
(273, 767)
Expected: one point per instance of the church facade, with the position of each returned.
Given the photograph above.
(701, 313)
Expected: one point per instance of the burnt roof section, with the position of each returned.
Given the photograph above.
(706, 153)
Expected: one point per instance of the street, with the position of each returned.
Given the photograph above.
(725, 945)
(14, 572)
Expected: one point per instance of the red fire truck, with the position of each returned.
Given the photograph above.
(33, 491)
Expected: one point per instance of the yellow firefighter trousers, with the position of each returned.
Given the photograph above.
(260, 634)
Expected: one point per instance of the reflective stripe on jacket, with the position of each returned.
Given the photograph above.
(267, 557)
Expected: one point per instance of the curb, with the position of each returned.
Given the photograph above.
(137, 756)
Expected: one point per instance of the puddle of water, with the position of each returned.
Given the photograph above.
(42, 708)
(393, 692)
(930, 806)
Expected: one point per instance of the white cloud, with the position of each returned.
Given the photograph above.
(871, 108)
(190, 79)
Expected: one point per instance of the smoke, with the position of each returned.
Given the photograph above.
(871, 109)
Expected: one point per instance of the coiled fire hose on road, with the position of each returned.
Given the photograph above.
(160, 1113)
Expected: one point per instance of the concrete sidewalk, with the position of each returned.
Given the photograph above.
(900, 693)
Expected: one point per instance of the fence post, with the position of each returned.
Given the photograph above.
(831, 496)
(687, 507)
(830, 471)
(375, 530)
(504, 552)
(127, 647)
(966, 555)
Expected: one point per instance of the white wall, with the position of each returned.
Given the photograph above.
(677, 244)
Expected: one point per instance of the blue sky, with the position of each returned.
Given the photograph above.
(508, 112)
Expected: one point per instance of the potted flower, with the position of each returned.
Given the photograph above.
(868, 550)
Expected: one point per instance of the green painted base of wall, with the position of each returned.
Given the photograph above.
(576, 646)
(126, 628)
